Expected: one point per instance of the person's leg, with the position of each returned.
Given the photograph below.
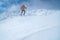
(21, 12)
(24, 12)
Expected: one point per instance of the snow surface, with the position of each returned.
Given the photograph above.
(38, 24)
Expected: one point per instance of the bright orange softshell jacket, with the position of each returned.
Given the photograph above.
(22, 7)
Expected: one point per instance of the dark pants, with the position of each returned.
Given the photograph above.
(22, 12)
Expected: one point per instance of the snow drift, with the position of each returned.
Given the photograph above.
(40, 24)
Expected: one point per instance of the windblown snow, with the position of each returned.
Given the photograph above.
(41, 24)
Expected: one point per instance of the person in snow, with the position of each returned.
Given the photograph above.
(23, 10)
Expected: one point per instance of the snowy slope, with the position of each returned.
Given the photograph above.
(28, 27)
